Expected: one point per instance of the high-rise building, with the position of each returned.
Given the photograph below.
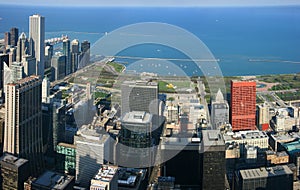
(17, 71)
(67, 53)
(22, 47)
(213, 160)
(37, 41)
(14, 172)
(85, 46)
(139, 131)
(45, 89)
(58, 63)
(74, 55)
(219, 111)
(23, 121)
(92, 148)
(136, 129)
(29, 64)
(48, 55)
(263, 117)
(85, 54)
(139, 96)
(12, 55)
(75, 46)
(243, 104)
(14, 34)
(58, 123)
(7, 39)
(66, 158)
(3, 60)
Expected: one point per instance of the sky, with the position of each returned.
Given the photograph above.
(153, 3)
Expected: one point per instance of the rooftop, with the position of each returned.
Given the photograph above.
(212, 138)
(249, 134)
(86, 134)
(141, 83)
(10, 159)
(130, 176)
(25, 80)
(53, 180)
(284, 137)
(278, 154)
(104, 175)
(292, 147)
(265, 172)
(137, 117)
(67, 145)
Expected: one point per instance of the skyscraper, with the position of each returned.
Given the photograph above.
(243, 103)
(58, 63)
(213, 160)
(45, 89)
(22, 47)
(7, 38)
(14, 34)
(48, 55)
(263, 117)
(3, 61)
(139, 96)
(85, 54)
(23, 121)
(29, 63)
(67, 53)
(17, 71)
(74, 55)
(37, 39)
(219, 111)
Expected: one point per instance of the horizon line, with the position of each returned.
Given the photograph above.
(148, 6)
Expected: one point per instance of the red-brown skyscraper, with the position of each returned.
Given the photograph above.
(243, 101)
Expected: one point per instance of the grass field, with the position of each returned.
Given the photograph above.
(117, 66)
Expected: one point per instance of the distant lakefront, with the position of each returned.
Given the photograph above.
(246, 41)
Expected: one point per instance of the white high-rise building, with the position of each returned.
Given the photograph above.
(37, 39)
(45, 89)
(139, 96)
(219, 111)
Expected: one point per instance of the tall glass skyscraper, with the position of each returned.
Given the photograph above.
(37, 41)
(67, 53)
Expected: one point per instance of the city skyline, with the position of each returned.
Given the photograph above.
(95, 122)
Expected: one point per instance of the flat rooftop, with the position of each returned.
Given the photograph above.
(284, 137)
(54, 180)
(212, 138)
(12, 160)
(137, 117)
(86, 134)
(25, 80)
(67, 145)
(265, 172)
(249, 134)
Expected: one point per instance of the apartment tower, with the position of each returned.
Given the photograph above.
(23, 121)
(243, 105)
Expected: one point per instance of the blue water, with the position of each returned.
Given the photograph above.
(233, 35)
